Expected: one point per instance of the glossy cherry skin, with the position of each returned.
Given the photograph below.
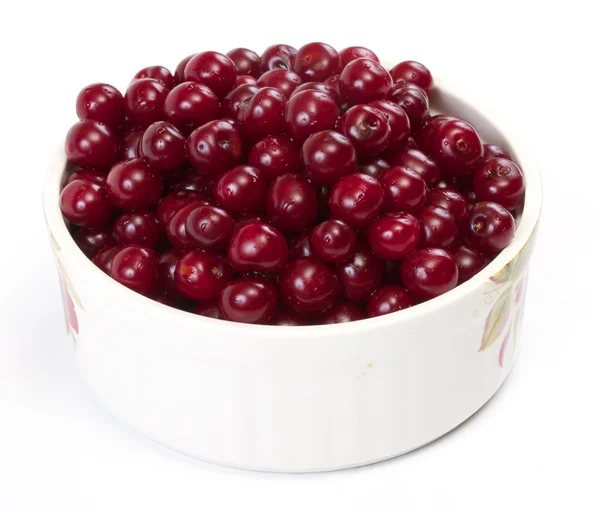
(424, 134)
(250, 300)
(393, 236)
(456, 146)
(470, 262)
(237, 100)
(241, 190)
(163, 147)
(489, 227)
(179, 70)
(351, 53)
(275, 155)
(248, 218)
(144, 101)
(414, 101)
(500, 180)
(213, 69)
(341, 313)
(363, 81)
(278, 56)
(404, 190)
(244, 80)
(367, 129)
(419, 162)
(332, 241)
(90, 143)
(360, 275)
(210, 227)
(165, 271)
(97, 177)
(130, 145)
(328, 156)
(209, 309)
(101, 102)
(494, 151)
(427, 273)
(388, 299)
(86, 204)
(201, 275)
(159, 73)
(189, 180)
(246, 61)
(334, 82)
(214, 147)
(190, 105)
(414, 73)
(319, 87)
(176, 228)
(286, 317)
(451, 200)
(139, 228)
(257, 247)
(283, 80)
(308, 286)
(263, 114)
(373, 166)
(291, 203)
(316, 61)
(134, 185)
(356, 199)
(135, 267)
(398, 121)
(92, 241)
(299, 246)
(310, 112)
(438, 227)
(104, 258)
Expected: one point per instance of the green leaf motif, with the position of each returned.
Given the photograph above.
(496, 321)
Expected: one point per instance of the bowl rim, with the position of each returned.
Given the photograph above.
(497, 116)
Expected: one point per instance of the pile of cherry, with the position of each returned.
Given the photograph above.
(299, 187)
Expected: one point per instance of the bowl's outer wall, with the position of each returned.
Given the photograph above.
(255, 398)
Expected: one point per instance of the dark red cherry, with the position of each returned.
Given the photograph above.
(291, 203)
(360, 275)
(176, 228)
(250, 300)
(283, 80)
(419, 162)
(187, 180)
(414, 101)
(97, 177)
(299, 246)
(456, 146)
(332, 241)
(394, 236)
(334, 82)
(86, 204)
(404, 190)
(309, 112)
(388, 299)
(130, 145)
(317, 61)
(214, 147)
(92, 241)
(144, 101)
(163, 147)
(190, 105)
(494, 151)
(241, 190)
(320, 87)
(101, 102)
(139, 228)
(363, 81)
(328, 156)
(489, 227)
(257, 248)
(135, 267)
(159, 73)
(244, 80)
(104, 258)
(470, 262)
(398, 121)
(275, 155)
(438, 227)
(308, 286)
(213, 69)
(209, 309)
(356, 199)
(201, 275)
(427, 273)
(424, 134)
(286, 317)
(451, 200)
(210, 227)
(90, 143)
(414, 73)
(248, 218)
(237, 100)
(178, 75)
(165, 270)
(351, 53)
(341, 313)
(246, 61)
(373, 166)
(367, 129)
(501, 181)
(263, 114)
(133, 185)
(278, 56)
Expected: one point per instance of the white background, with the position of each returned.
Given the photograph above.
(534, 446)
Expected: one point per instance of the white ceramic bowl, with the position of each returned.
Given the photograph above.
(298, 399)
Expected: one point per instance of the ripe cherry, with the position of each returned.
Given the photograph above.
(97, 177)
(210, 227)
(91, 144)
(165, 270)
(414, 73)
(104, 258)
(360, 274)
(414, 101)
(299, 246)
(451, 200)
(404, 190)
(178, 75)
(251, 300)
(190, 105)
(144, 101)
(200, 275)
(102, 103)
(438, 227)
(364, 80)
(419, 162)
(489, 227)
(367, 129)
(356, 199)
(494, 151)
(135, 267)
(394, 236)
(214, 147)
(291, 203)
(257, 247)
(86, 204)
(278, 56)
(263, 114)
(388, 299)
(213, 69)
(373, 166)
(456, 146)
(283, 80)
(351, 53)
(332, 241)
(309, 112)
(139, 228)
(470, 262)
(319, 87)
(163, 147)
(341, 313)
(130, 144)
(287, 317)
(328, 156)
(501, 181)
(427, 273)
(275, 155)
(159, 73)
(92, 241)
(176, 228)
(241, 190)
(398, 121)
(237, 100)
(317, 61)
(246, 61)
(133, 185)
